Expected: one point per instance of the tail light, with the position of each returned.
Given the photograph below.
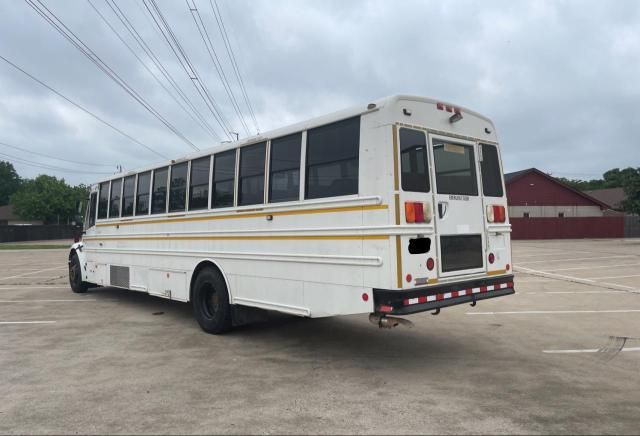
(417, 212)
(496, 213)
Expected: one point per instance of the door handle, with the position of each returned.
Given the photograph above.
(442, 208)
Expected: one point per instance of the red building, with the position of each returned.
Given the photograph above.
(541, 207)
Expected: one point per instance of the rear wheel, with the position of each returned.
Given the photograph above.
(210, 300)
(75, 276)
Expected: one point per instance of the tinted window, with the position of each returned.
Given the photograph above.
(284, 169)
(490, 169)
(127, 195)
(455, 169)
(413, 161)
(178, 187)
(91, 221)
(199, 188)
(142, 197)
(224, 168)
(251, 177)
(332, 159)
(159, 192)
(103, 203)
(114, 202)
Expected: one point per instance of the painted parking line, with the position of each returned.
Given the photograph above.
(576, 268)
(30, 273)
(578, 280)
(580, 259)
(614, 277)
(572, 292)
(44, 287)
(588, 350)
(27, 322)
(47, 301)
(554, 312)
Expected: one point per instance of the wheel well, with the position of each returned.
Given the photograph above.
(71, 253)
(202, 265)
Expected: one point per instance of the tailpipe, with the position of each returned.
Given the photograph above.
(388, 322)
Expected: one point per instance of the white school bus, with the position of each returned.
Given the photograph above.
(391, 208)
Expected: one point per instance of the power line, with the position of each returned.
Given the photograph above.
(230, 52)
(128, 25)
(68, 34)
(186, 64)
(216, 61)
(82, 108)
(49, 167)
(104, 19)
(56, 158)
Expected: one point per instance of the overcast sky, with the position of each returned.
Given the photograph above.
(560, 79)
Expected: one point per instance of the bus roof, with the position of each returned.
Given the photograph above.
(294, 128)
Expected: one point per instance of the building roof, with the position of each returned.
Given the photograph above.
(611, 196)
(512, 177)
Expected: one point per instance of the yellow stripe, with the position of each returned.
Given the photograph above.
(241, 238)
(497, 272)
(396, 183)
(432, 281)
(247, 215)
(399, 261)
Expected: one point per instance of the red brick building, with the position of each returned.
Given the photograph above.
(541, 207)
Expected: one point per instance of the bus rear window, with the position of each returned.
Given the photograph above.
(490, 169)
(455, 168)
(413, 160)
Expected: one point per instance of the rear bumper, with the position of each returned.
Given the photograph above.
(435, 297)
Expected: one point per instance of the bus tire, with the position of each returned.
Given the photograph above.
(210, 301)
(75, 276)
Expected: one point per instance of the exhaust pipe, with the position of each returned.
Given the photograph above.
(388, 322)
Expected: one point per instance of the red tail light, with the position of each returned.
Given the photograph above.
(417, 212)
(496, 214)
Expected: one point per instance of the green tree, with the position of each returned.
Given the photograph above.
(49, 199)
(631, 185)
(9, 182)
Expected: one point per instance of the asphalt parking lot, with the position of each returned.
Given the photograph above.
(560, 356)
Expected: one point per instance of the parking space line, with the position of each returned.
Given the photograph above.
(594, 267)
(553, 312)
(588, 350)
(5, 288)
(47, 301)
(30, 273)
(615, 277)
(572, 292)
(579, 280)
(579, 259)
(27, 322)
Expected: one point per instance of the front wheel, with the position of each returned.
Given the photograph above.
(75, 276)
(210, 300)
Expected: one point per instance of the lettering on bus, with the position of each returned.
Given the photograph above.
(459, 197)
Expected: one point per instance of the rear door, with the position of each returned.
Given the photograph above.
(458, 207)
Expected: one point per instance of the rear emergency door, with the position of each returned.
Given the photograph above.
(458, 207)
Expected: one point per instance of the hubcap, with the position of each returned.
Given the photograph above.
(210, 300)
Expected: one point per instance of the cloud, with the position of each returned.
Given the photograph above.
(559, 79)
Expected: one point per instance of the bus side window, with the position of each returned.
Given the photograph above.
(199, 184)
(251, 176)
(127, 195)
(224, 170)
(413, 160)
(114, 201)
(91, 213)
(103, 203)
(284, 168)
(490, 169)
(178, 187)
(159, 193)
(142, 196)
(332, 159)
